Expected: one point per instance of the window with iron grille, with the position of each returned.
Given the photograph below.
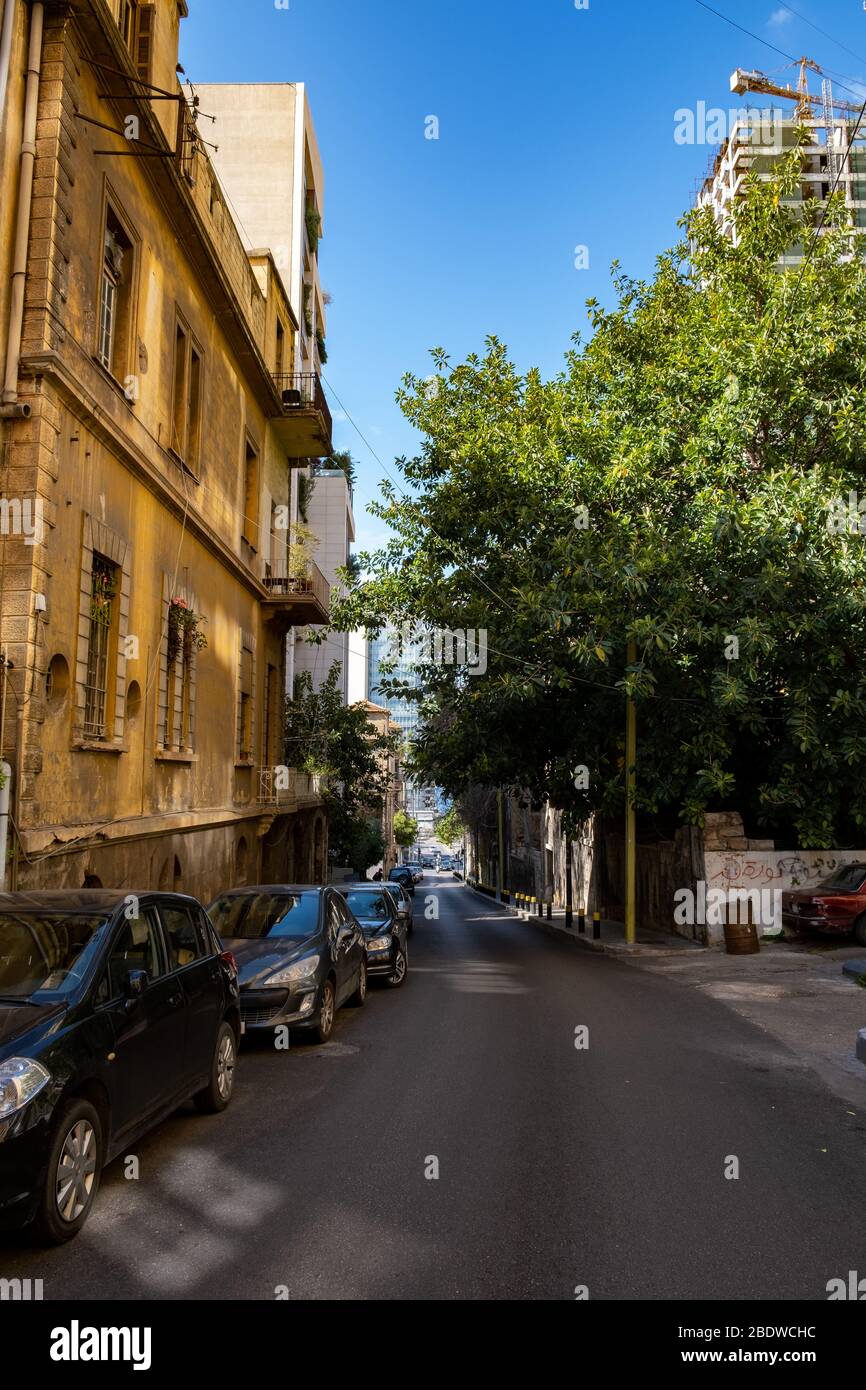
(103, 590)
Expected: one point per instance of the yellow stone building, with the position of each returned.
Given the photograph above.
(151, 419)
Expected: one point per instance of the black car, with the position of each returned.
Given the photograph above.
(385, 930)
(401, 873)
(300, 954)
(114, 1009)
(402, 901)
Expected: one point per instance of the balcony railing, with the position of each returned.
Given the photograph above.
(303, 391)
(286, 787)
(296, 599)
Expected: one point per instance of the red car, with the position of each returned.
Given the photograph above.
(836, 906)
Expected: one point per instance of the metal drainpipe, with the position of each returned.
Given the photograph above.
(6, 53)
(25, 201)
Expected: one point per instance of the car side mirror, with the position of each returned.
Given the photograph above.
(135, 984)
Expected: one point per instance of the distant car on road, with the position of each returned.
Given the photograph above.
(402, 901)
(300, 955)
(835, 907)
(417, 869)
(115, 1008)
(401, 873)
(385, 930)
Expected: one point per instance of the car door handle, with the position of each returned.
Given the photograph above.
(175, 999)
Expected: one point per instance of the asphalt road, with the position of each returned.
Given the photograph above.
(558, 1167)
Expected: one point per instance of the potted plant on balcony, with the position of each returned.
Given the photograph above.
(314, 228)
(184, 631)
(320, 343)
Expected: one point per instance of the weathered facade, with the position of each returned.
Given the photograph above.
(149, 430)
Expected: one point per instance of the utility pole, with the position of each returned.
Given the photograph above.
(630, 833)
(500, 874)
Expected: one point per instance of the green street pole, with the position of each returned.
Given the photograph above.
(630, 831)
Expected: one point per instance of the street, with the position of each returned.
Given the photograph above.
(559, 1167)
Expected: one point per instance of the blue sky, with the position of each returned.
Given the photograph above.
(556, 129)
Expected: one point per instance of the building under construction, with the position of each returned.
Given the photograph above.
(757, 140)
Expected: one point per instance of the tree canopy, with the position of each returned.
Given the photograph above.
(677, 485)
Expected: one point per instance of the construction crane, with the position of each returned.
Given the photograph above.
(743, 81)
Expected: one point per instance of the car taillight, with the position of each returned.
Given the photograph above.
(230, 961)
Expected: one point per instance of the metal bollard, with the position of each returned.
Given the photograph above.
(581, 920)
(549, 909)
(596, 926)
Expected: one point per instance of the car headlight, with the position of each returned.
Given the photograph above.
(20, 1080)
(379, 943)
(294, 974)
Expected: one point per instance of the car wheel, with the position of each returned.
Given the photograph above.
(218, 1092)
(72, 1173)
(325, 1025)
(360, 994)
(398, 974)
(860, 931)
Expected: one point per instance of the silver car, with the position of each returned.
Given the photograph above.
(402, 901)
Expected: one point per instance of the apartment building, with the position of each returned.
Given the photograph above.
(759, 138)
(331, 520)
(149, 572)
(383, 725)
(268, 160)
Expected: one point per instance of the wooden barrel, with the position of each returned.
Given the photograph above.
(741, 939)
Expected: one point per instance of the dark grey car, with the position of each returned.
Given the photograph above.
(300, 953)
(385, 931)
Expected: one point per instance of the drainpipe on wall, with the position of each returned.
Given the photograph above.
(10, 405)
(6, 53)
(6, 774)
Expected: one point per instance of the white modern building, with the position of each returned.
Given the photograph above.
(758, 139)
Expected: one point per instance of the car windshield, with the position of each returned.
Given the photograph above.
(45, 955)
(847, 876)
(366, 904)
(251, 916)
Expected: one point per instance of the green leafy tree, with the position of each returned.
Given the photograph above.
(405, 829)
(337, 742)
(449, 827)
(676, 486)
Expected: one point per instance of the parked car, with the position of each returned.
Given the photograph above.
(402, 901)
(115, 1008)
(836, 906)
(385, 930)
(301, 955)
(401, 873)
(416, 868)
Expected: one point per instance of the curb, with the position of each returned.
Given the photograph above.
(586, 942)
(550, 927)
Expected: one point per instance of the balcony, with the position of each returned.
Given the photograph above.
(295, 600)
(286, 789)
(303, 425)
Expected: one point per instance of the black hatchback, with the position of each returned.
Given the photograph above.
(114, 1009)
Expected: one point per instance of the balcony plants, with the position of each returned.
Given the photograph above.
(314, 228)
(184, 631)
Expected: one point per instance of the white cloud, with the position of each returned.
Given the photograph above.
(779, 17)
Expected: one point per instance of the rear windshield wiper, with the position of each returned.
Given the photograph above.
(18, 999)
